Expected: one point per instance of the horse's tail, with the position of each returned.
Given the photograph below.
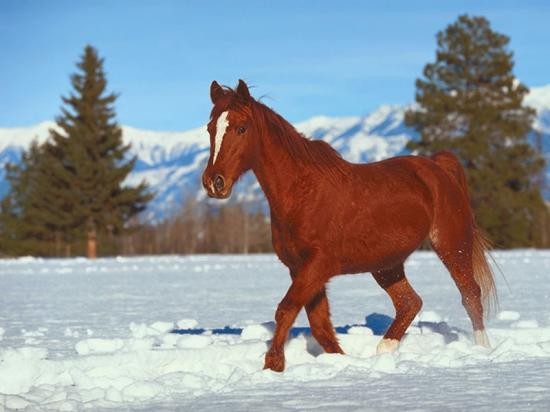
(483, 273)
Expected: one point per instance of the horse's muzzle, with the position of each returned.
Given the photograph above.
(217, 186)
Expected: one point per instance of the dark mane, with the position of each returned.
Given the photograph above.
(315, 153)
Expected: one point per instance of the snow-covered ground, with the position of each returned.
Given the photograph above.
(78, 334)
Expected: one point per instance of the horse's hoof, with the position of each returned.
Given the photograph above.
(334, 349)
(275, 361)
(387, 346)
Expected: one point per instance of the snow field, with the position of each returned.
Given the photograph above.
(97, 335)
(153, 364)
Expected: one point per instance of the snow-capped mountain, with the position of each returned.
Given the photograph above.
(539, 99)
(172, 162)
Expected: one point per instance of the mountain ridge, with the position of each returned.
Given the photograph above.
(172, 161)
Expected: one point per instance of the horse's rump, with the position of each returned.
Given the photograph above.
(482, 271)
(450, 164)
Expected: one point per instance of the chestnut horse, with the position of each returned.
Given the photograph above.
(331, 217)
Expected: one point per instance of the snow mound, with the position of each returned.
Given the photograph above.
(187, 324)
(109, 373)
(508, 315)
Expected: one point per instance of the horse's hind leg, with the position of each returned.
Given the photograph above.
(318, 313)
(407, 304)
(457, 257)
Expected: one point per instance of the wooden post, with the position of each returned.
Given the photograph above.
(91, 249)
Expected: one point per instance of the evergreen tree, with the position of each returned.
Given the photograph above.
(88, 160)
(23, 230)
(470, 102)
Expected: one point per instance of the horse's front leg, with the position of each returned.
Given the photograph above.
(305, 285)
(318, 314)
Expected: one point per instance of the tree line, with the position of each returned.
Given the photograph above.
(202, 228)
(68, 195)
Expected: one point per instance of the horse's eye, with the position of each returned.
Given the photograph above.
(241, 129)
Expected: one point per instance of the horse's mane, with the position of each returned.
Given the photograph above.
(315, 153)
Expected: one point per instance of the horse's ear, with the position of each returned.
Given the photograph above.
(242, 90)
(216, 91)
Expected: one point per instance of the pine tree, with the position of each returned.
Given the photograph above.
(23, 230)
(470, 102)
(88, 160)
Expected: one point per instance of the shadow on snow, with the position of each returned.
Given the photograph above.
(378, 323)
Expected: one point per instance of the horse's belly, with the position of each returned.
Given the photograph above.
(371, 262)
(368, 247)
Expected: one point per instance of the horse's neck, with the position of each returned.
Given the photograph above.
(277, 172)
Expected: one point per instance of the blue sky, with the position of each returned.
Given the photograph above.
(308, 57)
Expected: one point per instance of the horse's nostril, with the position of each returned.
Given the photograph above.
(219, 183)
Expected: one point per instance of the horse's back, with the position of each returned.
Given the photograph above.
(440, 175)
(423, 179)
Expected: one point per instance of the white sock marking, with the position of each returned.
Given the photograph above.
(221, 127)
(387, 346)
(481, 338)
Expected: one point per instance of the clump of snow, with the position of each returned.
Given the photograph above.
(429, 316)
(525, 324)
(161, 327)
(194, 341)
(88, 346)
(187, 323)
(142, 390)
(261, 332)
(385, 363)
(13, 402)
(20, 368)
(141, 330)
(71, 333)
(32, 333)
(508, 315)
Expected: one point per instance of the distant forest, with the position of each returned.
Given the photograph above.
(201, 228)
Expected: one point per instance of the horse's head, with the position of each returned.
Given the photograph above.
(232, 140)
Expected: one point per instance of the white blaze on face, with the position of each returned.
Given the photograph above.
(221, 127)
